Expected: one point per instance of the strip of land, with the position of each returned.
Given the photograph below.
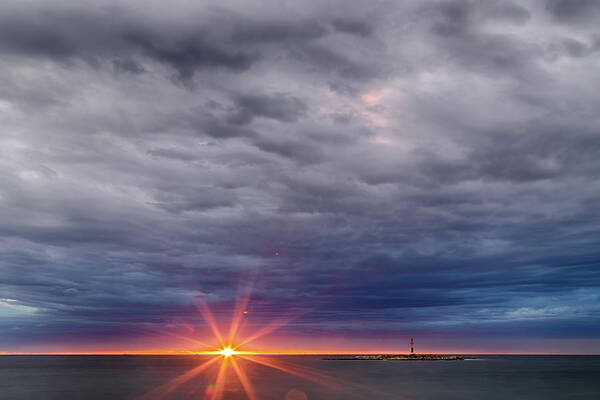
(375, 357)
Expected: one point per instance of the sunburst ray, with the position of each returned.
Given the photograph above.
(303, 372)
(227, 351)
(212, 323)
(270, 328)
(173, 384)
(243, 298)
(246, 384)
(220, 381)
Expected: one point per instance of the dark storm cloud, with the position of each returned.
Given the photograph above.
(188, 54)
(63, 34)
(353, 27)
(278, 107)
(275, 32)
(223, 40)
(573, 11)
(383, 169)
(332, 62)
(458, 24)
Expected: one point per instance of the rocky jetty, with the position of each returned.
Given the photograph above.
(380, 357)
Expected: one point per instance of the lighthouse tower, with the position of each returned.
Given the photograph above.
(412, 346)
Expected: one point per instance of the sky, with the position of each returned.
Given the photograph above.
(374, 170)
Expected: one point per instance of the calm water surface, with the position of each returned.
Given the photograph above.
(128, 377)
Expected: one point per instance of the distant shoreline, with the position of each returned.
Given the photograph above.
(406, 357)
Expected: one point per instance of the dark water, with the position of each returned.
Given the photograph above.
(128, 377)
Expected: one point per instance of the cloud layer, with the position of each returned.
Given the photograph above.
(385, 169)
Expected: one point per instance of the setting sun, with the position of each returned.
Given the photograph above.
(227, 352)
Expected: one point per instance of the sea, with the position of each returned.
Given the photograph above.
(298, 378)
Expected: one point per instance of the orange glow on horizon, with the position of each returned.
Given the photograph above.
(272, 351)
(283, 352)
(228, 351)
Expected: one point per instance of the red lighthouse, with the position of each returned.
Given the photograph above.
(412, 346)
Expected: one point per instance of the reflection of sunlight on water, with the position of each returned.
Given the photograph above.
(296, 394)
(208, 393)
